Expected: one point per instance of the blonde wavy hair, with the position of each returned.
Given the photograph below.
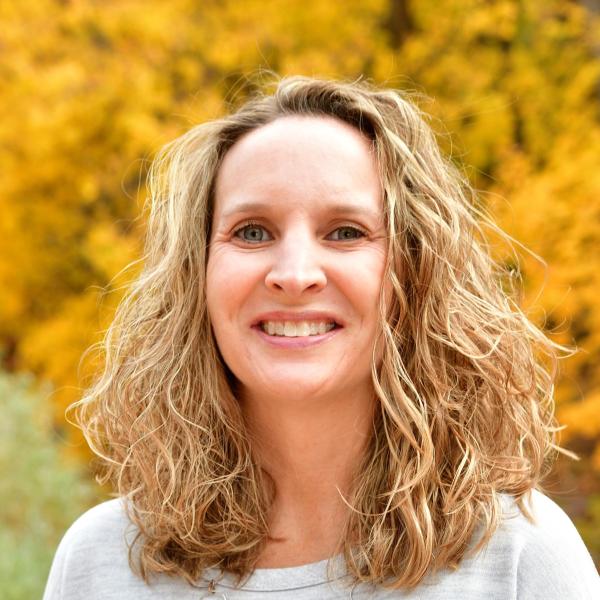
(465, 406)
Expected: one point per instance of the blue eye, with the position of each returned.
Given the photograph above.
(252, 233)
(347, 233)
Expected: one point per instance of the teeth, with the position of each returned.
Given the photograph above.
(303, 329)
(296, 328)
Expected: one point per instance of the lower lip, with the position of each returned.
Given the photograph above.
(280, 341)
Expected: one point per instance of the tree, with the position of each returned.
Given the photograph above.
(94, 89)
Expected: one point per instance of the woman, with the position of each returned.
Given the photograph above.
(320, 361)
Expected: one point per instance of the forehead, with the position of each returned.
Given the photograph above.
(299, 159)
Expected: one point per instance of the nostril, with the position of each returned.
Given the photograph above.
(295, 286)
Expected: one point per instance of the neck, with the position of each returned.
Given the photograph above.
(310, 448)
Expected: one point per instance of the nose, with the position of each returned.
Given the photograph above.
(297, 267)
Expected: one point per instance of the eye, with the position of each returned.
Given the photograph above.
(345, 233)
(252, 233)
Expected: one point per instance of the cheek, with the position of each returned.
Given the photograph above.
(366, 281)
(221, 306)
(220, 297)
(229, 284)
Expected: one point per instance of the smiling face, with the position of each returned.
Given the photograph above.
(296, 260)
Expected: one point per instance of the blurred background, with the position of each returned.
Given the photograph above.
(90, 90)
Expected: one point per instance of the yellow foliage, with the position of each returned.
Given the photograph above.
(95, 88)
(582, 418)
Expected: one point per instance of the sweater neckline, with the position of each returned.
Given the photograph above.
(280, 579)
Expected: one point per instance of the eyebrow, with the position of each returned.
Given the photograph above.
(353, 209)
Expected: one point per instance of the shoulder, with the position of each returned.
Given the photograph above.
(547, 556)
(99, 523)
(101, 528)
(551, 530)
(92, 561)
(545, 559)
(95, 545)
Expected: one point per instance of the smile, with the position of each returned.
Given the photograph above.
(294, 329)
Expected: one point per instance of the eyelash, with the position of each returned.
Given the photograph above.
(362, 232)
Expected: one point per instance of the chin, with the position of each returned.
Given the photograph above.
(296, 385)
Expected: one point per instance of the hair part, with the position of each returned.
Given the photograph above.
(465, 406)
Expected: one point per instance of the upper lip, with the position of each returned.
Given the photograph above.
(305, 315)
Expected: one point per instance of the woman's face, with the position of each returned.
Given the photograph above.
(296, 259)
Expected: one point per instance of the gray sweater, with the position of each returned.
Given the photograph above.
(545, 561)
